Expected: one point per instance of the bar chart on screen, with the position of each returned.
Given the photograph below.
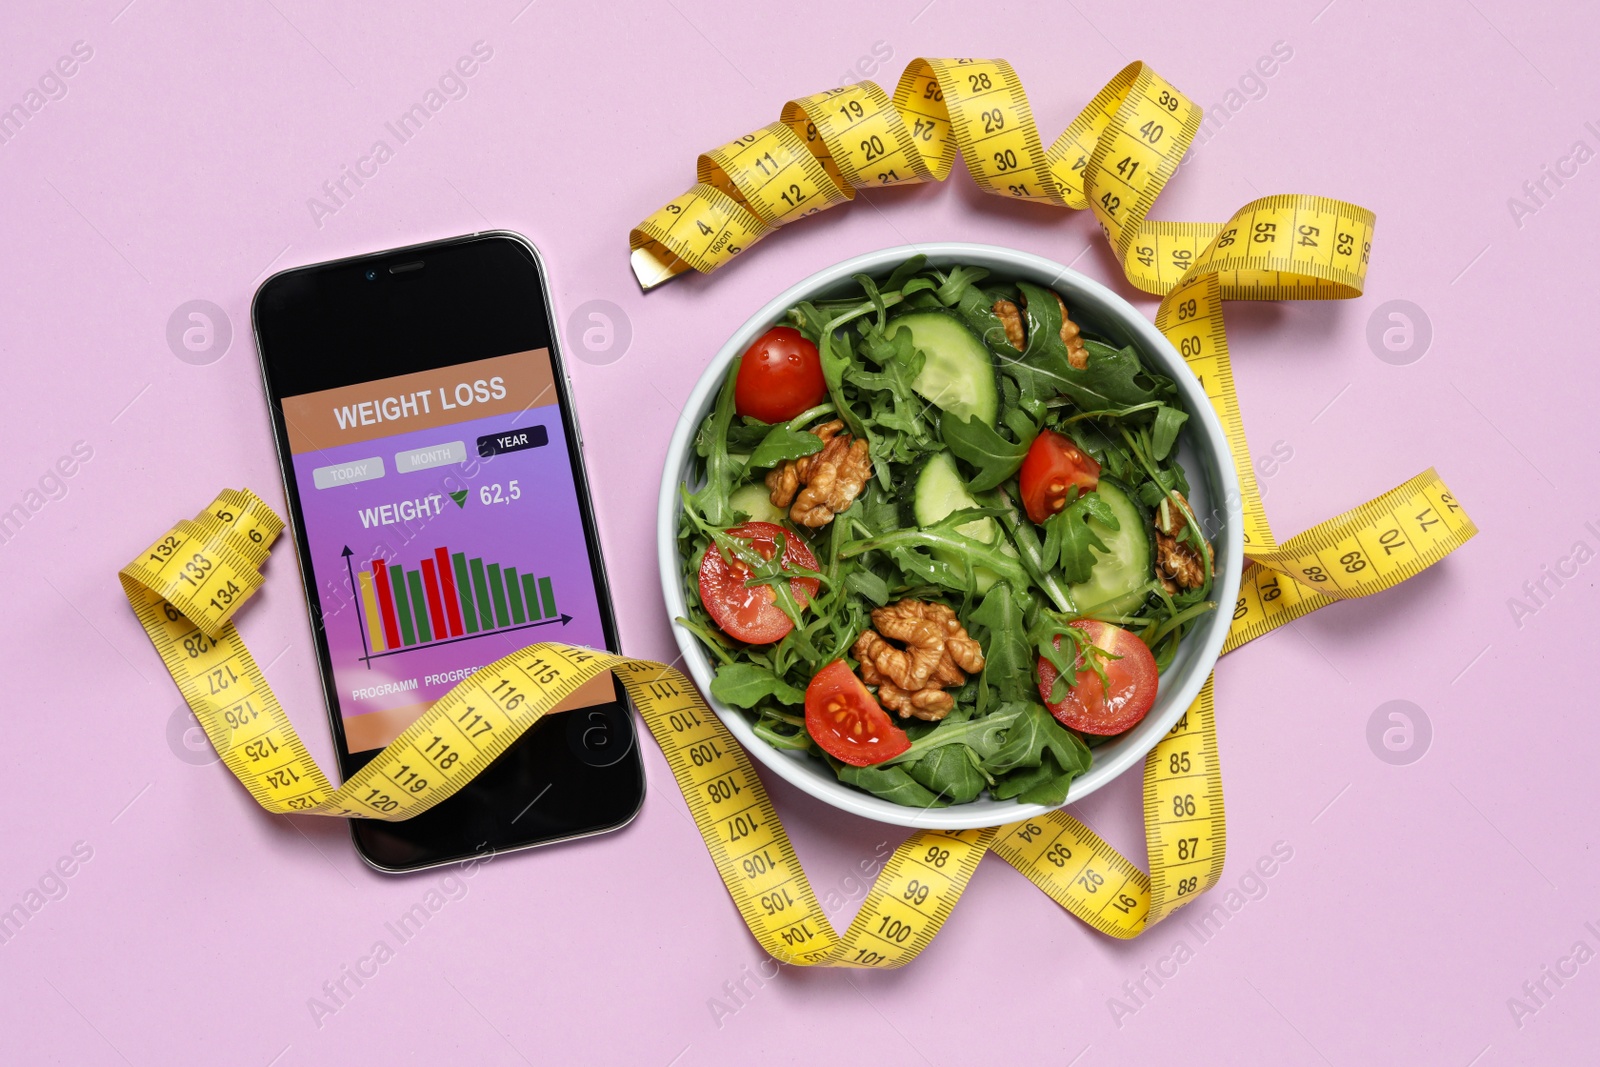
(445, 598)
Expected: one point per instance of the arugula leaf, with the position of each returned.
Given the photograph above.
(976, 307)
(950, 772)
(1049, 783)
(870, 287)
(998, 625)
(877, 510)
(958, 282)
(744, 685)
(1164, 431)
(899, 418)
(1041, 315)
(890, 783)
(1068, 537)
(888, 349)
(1112, 455)
(746, 433)
(1024, 425)
(1025, 740)
(1034, 733)
(1110, 380)
(1154, 491)
(980, 445)
(782, 443)
(805, 317)
(904, 273)
(712, 443)
(942, 535)
(869, 585)
(983, 734)
(1071, 656)
(1026, 539)
(1107, 382)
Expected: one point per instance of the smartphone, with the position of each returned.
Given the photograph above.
(434, 473)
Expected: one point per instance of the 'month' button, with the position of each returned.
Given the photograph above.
(421, 459)
(513, 441)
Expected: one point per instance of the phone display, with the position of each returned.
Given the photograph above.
(437, 496)
(444, 532)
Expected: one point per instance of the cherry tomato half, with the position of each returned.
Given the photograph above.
(1052, 466)
(779, 377)
(846, 720)
(749, 613)
(1129, 690)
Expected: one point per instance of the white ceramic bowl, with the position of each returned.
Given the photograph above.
(1204, 454)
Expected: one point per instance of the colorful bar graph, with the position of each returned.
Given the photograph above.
(447, 596)
(464, 581)
(430, 581)
(402, 605)
(447, 583)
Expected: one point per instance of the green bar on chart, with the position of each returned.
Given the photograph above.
(547, 597)
(469, 618)
(530, 591)
(420, 599)
(514, 594)
(480, 585)
(498, 589)
(402, 606)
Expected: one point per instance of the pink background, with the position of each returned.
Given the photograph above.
(1419, 898)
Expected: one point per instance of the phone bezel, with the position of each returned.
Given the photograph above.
(517, 319)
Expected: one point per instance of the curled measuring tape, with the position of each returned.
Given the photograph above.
(1115, 158)
(186, 587)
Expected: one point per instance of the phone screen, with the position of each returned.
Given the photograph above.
(444, 532)
(437, 495)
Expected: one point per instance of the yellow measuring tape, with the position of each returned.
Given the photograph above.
(1114, 158)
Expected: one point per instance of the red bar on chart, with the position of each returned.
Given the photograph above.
(391, 625)
(435, 609)
(447, 584)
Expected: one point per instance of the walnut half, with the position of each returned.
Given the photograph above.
(938, 654)
(1178, 565)
(815, 488)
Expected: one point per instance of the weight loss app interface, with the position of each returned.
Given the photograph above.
(444, 531)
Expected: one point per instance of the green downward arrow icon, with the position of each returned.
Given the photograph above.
(460, 498)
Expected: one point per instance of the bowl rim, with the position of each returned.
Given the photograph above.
(1212, 634)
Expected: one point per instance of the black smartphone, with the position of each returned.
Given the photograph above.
(434, 474)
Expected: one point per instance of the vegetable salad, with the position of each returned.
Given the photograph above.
(941, 539)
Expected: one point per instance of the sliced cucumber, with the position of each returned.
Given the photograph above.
(1119, 582)
(936, 491)
(958, 373)
(754, 501)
